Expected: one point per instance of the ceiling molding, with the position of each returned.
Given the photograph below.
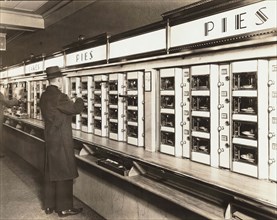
(21, 20)
(63, 10)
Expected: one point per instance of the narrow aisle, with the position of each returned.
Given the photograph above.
(20, 193)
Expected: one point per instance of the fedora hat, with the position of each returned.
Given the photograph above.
(53, 72)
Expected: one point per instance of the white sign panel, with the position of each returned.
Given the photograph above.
(56, 61)
(86, 56)
(34, 67)
(148, 42)
(17, 71)
(242, 20)
(3, 74)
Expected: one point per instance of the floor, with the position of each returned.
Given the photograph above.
(20, 193)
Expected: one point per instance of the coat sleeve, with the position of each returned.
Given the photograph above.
(69, 107)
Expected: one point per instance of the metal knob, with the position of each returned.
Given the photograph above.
(271, 135)
(220, 106)
(270, 83)
(271, 161)
(271, 108)
(227, 100)
(227, 145)
(220, 84)
(220, 150)
(227, 123)
(220, 128)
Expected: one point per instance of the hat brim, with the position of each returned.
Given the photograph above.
(52, 77)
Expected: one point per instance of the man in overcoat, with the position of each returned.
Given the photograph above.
(60, 165)
(8, 103)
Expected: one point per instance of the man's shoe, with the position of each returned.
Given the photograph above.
(73, 211)
(49, 211)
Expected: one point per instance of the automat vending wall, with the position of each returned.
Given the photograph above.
(272, 119)
(171, 111)
(86, 117)
(135, 108)
(250, 117)
(73, 89)
(117, 116)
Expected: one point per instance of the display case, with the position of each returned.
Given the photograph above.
(204, 114)
(74, 91)
(87, 95)
(249, 117)
(135, 108)
(101, 105)
(31, 98)
(21, 94)
(171, 111)
(40, 87)
(117, 106)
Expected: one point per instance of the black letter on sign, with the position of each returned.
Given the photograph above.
(239, 20)
(261, 16)
(208, 28)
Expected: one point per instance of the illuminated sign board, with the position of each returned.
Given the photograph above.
(34, 67)
(87, 56)
(56, 61)
(250, 18)
(3, 74)
(16, 71)
(143, 43)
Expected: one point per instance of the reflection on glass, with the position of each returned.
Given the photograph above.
(201, 103)
(97, 124)
(113, 85)
(85, 110)
(167, 101)
(201, 124)
(113, 99)
(244, 129)
(201, 145)
(73, 86)
(168, 120)
(167, 138)
(132, 84)
(132, 100)
(113, 113)
(245, 105)
(84, 121)
(84, 85)
(132, 131)
(97, 111)
(97, 85)
(201, 82)
(113, 127)
(132, 115)
(245, 154)
(167, 83)
(246, 80)
(97, 99)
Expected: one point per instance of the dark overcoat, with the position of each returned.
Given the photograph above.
(57, 111)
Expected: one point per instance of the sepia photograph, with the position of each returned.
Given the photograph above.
(138, 110)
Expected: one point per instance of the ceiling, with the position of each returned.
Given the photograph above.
(19, 17)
